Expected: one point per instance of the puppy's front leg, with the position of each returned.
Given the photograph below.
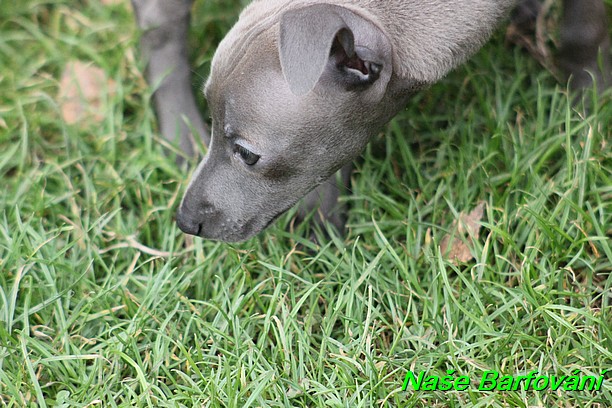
(165, 25)
(324, 200)
(585, 44)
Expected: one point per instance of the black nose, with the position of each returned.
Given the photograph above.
(186, 224)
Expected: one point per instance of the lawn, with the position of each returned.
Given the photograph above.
(105, 303)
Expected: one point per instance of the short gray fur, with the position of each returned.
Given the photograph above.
(301, 86)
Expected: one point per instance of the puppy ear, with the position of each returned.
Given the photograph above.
(313, 36)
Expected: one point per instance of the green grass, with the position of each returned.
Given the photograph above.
(104, 303)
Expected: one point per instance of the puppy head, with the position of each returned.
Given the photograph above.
(294, 96)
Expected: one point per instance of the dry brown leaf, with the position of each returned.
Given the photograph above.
(467, 227)
(83, 88)
(112, 2)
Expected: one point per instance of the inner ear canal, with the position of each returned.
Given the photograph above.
(343, 51)
(347, 59)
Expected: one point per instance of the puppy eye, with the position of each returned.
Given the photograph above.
(246, 155)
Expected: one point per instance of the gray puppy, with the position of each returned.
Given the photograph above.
(297, 88)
